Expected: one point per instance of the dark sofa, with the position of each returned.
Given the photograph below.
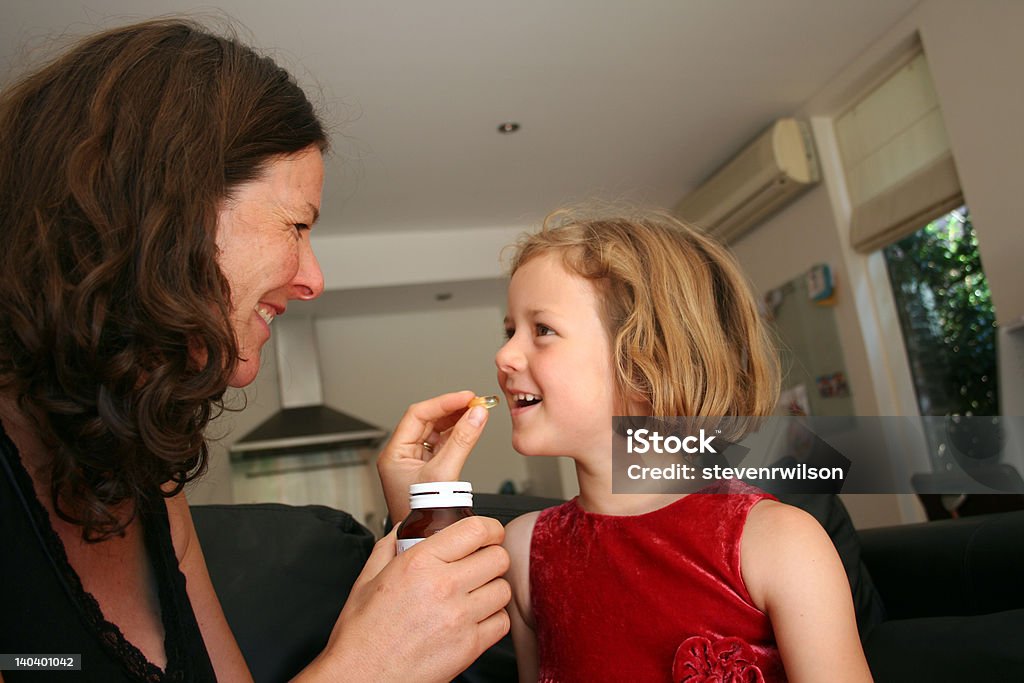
(940, 601)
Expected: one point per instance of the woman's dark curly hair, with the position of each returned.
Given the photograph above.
(115, 334)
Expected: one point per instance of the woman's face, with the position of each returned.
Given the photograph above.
(264, 251)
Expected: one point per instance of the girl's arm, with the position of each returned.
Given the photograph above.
(517, 542)
(794, 575)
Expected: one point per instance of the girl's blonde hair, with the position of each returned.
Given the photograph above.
(684, 326)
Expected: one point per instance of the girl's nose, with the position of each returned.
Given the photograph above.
(509, 358)
(308, 282)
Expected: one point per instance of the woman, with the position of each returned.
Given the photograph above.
(157, 189)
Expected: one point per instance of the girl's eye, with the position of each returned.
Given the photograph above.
(544, 330)
(510, 332)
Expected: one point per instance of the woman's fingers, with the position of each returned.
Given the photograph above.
(477, 571)
(489, 598)
(476, 562)
(449, 431)
(403, 457)
(493, 628)
(434, 413)
(463, 538)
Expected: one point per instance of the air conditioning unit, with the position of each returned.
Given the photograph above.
(766, 175)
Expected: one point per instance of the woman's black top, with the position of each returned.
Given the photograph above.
(45, 611)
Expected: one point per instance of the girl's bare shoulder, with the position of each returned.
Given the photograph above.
(777, 540)
(518, 533)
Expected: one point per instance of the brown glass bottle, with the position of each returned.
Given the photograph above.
(435, 505)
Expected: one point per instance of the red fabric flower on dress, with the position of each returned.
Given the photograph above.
(728, 660)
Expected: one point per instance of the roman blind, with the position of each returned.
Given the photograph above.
(899, 170)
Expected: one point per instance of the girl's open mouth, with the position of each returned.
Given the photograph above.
(524, 400)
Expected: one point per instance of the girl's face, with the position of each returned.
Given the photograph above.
(556, 367)
(264, 250)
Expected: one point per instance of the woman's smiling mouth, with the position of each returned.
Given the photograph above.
(266, 313)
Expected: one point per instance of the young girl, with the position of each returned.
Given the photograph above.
(647, 316)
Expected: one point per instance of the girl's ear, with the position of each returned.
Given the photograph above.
(641, 406)
(636, 404)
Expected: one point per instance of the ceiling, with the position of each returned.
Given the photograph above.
(636, 100)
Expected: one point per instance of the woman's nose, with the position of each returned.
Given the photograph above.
(308, 282)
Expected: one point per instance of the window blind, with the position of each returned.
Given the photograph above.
(899, 170)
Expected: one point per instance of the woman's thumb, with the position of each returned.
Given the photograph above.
(461, 442)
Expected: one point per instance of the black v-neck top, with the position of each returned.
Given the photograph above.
(45, 610)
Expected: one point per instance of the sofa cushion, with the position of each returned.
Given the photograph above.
(954, 567)
(505, 508)
(302, 560)
(983, 647)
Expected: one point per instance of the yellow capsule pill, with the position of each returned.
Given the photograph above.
(485, 401)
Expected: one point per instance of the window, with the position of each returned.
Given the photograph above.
(946, 313)
(949, 331)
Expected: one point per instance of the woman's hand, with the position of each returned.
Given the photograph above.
(424, 615)
(450, 429)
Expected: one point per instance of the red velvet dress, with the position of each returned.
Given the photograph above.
(652, 597)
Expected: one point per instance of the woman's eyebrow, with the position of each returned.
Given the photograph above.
(316, 212)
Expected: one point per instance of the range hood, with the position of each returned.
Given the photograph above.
(304, 424)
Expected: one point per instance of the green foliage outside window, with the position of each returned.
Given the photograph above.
(947, 317)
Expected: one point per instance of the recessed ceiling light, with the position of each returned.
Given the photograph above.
(508, 127)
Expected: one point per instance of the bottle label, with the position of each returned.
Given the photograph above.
(406, 543)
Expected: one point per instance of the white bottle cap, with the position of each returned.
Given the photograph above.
(441, 494)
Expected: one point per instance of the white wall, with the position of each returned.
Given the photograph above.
(787, 246)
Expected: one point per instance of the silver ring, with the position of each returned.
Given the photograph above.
(427, 447)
